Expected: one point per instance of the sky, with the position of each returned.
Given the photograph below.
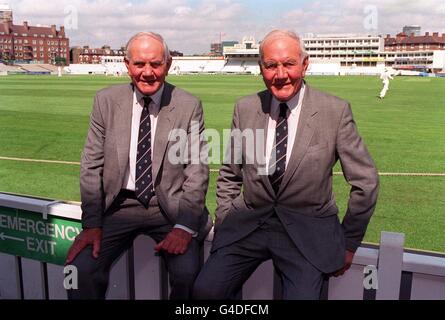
(190, 26)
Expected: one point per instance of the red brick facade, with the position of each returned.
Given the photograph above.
(24, 43)
(403, 42)
(92, 55)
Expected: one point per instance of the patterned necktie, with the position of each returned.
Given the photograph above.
(278, 160)
(144, 183)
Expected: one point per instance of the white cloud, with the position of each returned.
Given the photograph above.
(186, 27)
(352, 16)
(190, 26)
(183, 11)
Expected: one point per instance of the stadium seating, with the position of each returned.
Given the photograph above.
(85, 69)
(10, 69)
(252, 67)
(208, 65)
(234, 66)
(214, 66)
(34, 68)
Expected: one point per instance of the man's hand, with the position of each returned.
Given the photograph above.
(348, 261)
(176, 241)
(87, 237)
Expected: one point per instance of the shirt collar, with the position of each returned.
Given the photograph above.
(156, 97)
(292, 104)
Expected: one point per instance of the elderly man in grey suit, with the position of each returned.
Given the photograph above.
(281, 206)
(129, 184)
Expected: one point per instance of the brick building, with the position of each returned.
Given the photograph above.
(404, 42)
(36, 44)
(87, 55)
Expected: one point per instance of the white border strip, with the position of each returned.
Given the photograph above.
(400, 174)
(41, 161)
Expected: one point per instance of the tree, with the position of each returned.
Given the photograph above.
(60, 61)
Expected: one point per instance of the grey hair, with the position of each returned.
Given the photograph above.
(279, 33)
(148, 34)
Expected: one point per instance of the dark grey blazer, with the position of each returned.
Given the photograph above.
(305, 202)
(180, 189)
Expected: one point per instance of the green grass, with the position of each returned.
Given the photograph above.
(45, 117)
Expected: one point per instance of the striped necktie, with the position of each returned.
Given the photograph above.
(277, 165)
(144, 184)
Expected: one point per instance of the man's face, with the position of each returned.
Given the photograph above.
(282, 68)
(146, 66)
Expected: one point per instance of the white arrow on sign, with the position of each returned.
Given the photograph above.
(4, 237)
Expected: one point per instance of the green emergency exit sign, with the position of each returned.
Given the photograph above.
(27, 234)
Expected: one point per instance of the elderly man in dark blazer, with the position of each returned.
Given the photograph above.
(274, 196)
(130, 184)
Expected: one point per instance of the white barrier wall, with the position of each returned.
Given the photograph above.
(137, 274)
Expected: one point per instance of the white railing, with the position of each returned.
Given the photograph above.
(137, 274)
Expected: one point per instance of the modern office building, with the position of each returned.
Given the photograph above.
(412, 29)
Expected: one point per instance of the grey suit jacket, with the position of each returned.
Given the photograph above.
(180, 188)
(305, 202)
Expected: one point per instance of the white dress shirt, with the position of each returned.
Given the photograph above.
(294, 106)
(153, 109)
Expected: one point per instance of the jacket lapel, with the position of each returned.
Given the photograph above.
(165, 124)
(303, 137)
(123, 128)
